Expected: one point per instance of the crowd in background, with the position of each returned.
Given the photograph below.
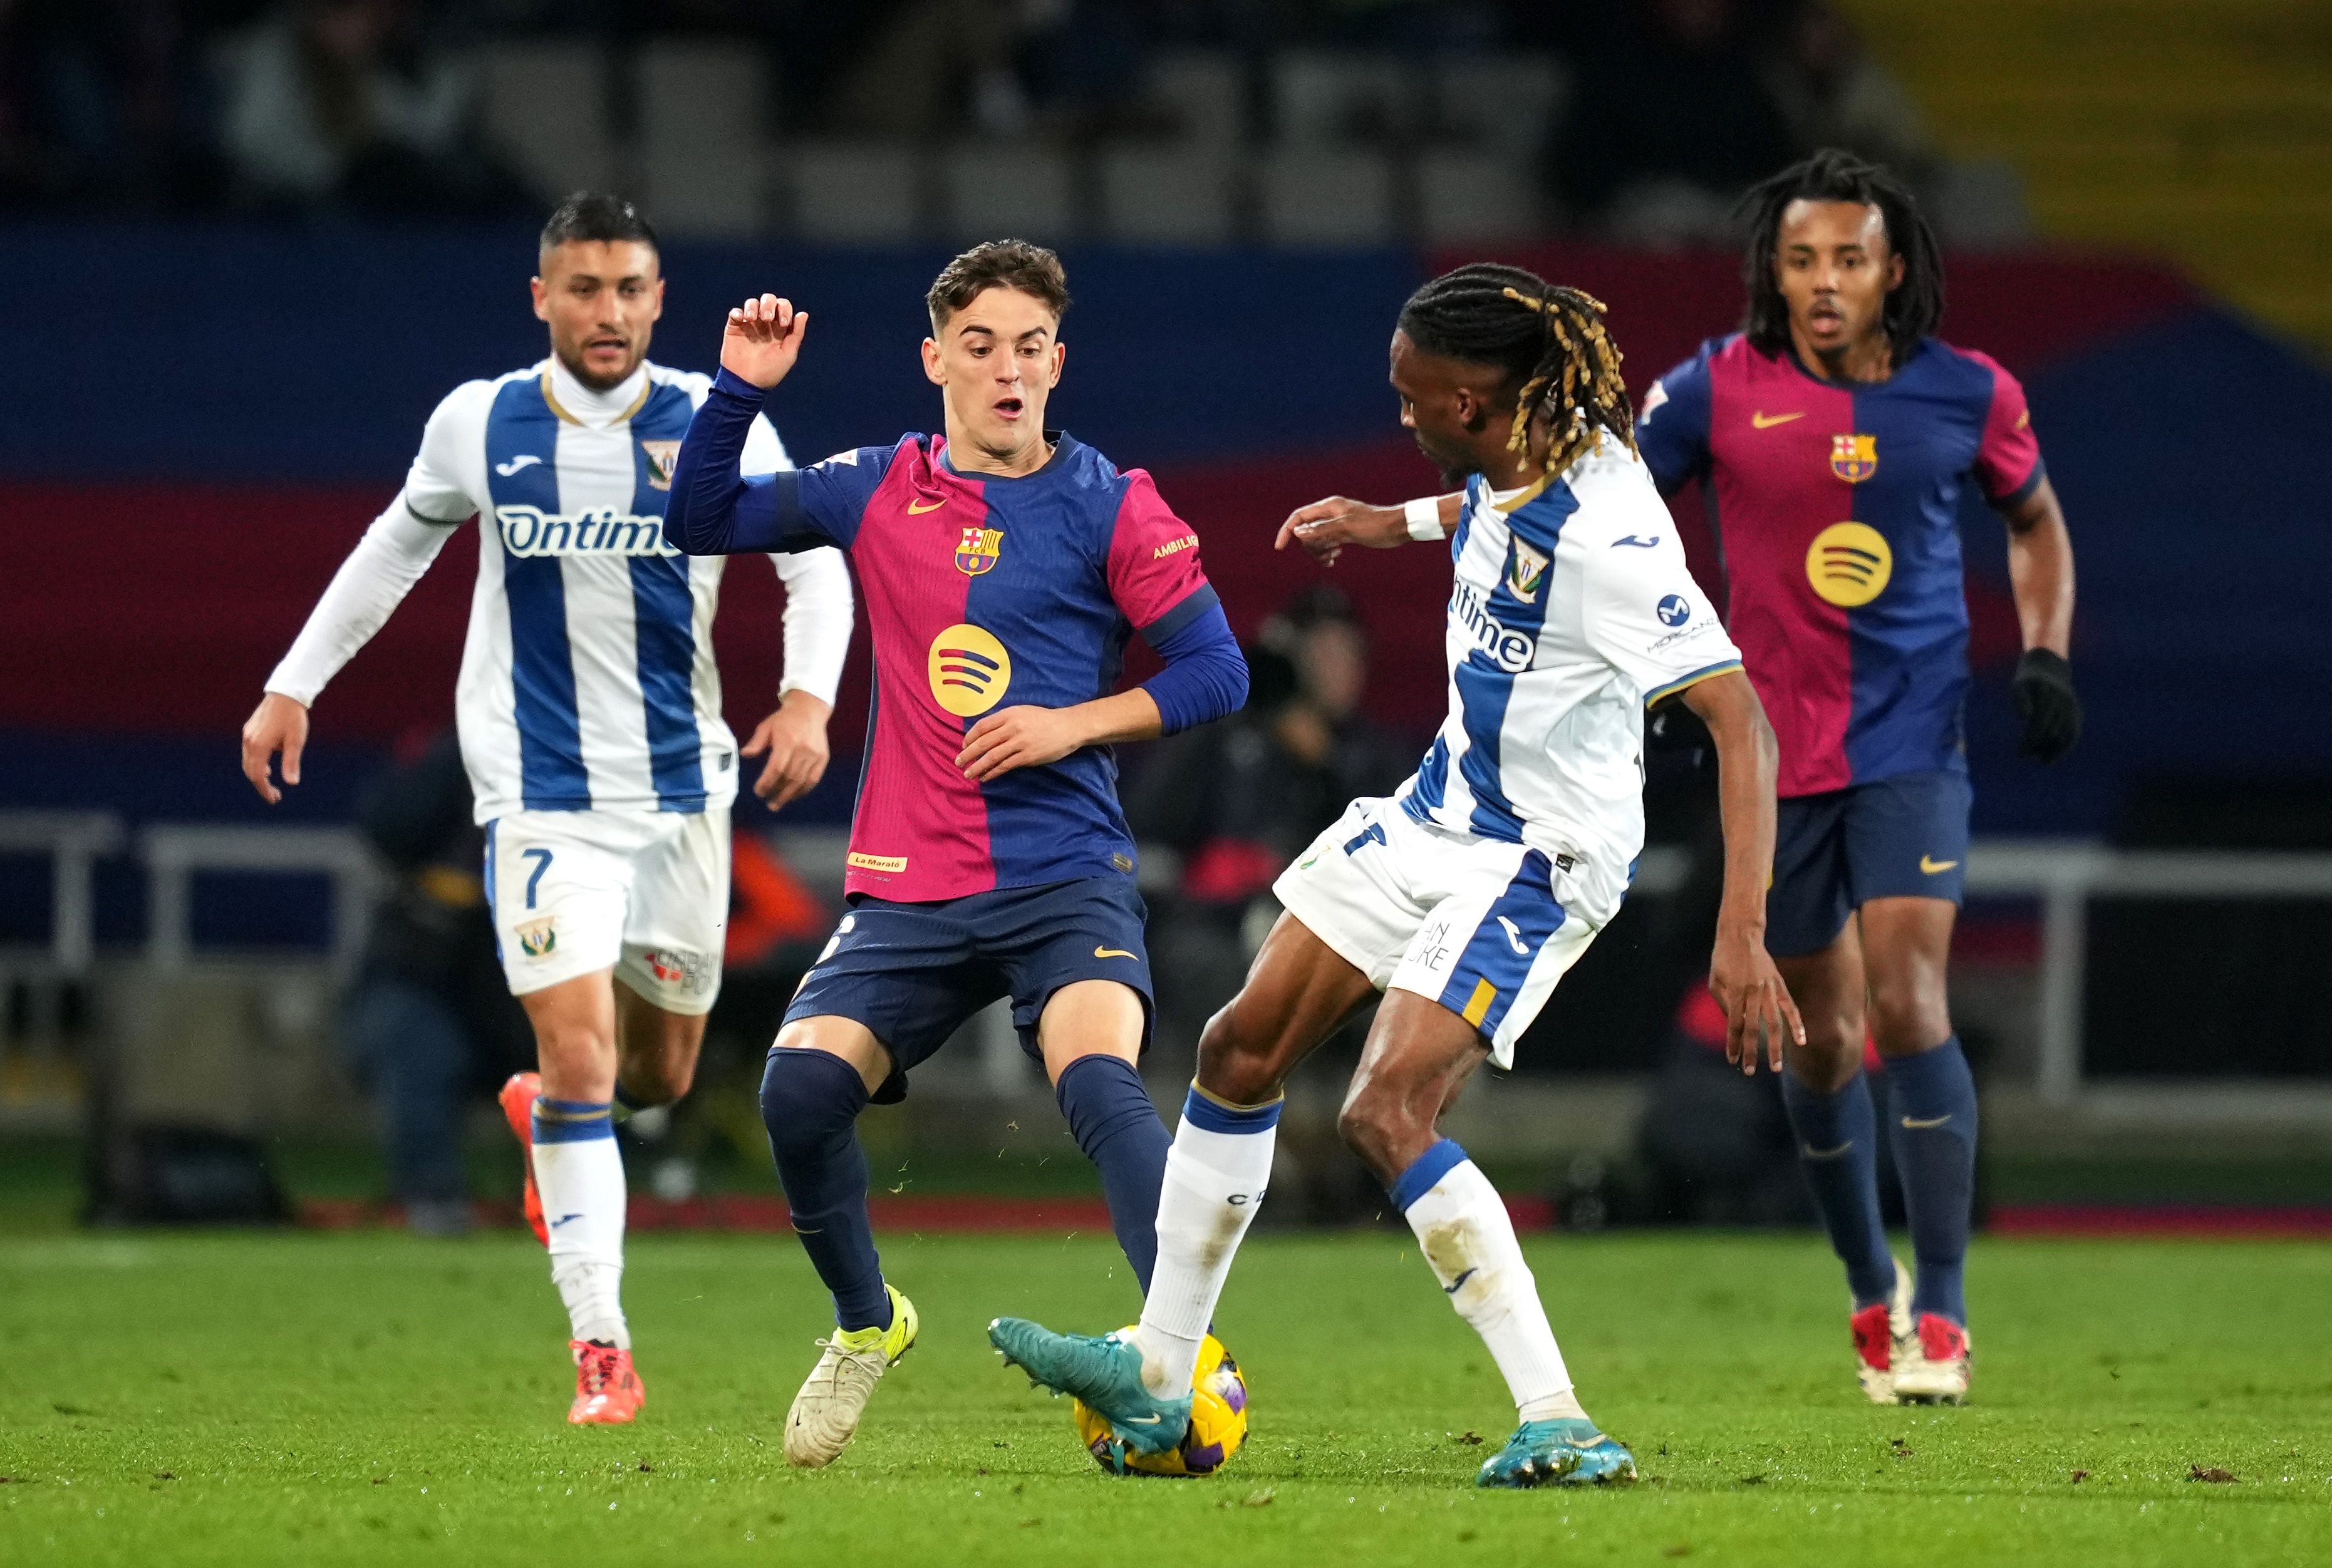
(372, 105)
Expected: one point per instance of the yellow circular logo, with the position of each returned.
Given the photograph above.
(969, 670)
(1849, 564)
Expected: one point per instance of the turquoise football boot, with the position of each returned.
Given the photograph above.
(1103, 1370)
(1569, 1452)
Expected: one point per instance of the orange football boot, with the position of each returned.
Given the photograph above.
(607, 1388)
(518, 1097)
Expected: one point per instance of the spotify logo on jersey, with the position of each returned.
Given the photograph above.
(1849, 564)
(969, 670)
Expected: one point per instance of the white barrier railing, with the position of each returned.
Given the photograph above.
(74, 842)
(2066, 875)
(174, 854)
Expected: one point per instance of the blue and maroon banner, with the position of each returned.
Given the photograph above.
(201, 421)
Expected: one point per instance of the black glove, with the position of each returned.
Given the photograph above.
(2046, 703)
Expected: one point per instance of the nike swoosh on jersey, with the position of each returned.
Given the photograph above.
(1763, 421)
(917, 508)
(1112, 953)
(1932, 866)
(1920, 1126)
(516, 463)
(1640, 542)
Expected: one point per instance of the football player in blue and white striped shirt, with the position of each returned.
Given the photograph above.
(1465, 897)
(589, 712)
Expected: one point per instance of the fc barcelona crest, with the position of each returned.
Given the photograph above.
(976, 550)
(663, 456)
(1854, 458)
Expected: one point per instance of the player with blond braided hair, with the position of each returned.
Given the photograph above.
(1465, 897)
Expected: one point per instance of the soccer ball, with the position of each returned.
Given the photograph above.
(1217, 1424)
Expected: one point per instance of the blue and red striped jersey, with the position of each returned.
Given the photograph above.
(1837, 510)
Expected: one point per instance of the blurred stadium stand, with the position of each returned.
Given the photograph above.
(1244, 208)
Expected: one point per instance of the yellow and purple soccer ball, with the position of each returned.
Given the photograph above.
(1217, 1424)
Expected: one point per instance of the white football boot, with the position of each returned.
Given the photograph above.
(824, 1416)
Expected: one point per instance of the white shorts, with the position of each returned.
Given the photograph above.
(643, 893)
(1483, 927)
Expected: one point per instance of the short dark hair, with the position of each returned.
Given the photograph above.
(1915, 307)
(1548, 343)
(1016, 264)
(589, 216)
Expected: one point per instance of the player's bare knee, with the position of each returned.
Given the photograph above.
(1232, 1066)
(1908, 1016)
(1379, 1126)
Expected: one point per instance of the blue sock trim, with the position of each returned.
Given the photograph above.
(573, 1121)
(1206, 1112)
(1426, 1172)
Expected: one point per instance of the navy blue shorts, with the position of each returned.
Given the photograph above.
(1904, 837)
(913, 973)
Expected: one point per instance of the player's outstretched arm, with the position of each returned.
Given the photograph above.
(370, 583)
(1325, 528)
(1758, 1005)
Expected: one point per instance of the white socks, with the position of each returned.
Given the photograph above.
(581, 1174)
(1462, 1225)
(1216, 1173)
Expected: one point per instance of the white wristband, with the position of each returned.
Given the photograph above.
(1424, 516)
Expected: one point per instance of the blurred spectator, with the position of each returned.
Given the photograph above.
(430, 1025)
(1834, 94)
(341, 102)
(1240, 799)
(96, 105)
(1669, 121)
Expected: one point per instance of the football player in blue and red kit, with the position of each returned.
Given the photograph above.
(1836, 435)
(1004, 566)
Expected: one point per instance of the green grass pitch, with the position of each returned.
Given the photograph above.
(310, 1400)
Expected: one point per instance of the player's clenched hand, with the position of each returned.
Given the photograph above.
(1758, 1005)
(795, 738)
(277, 724)
(1017, 738)
(1325, 528)
(763, 339)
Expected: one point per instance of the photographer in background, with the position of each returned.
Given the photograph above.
(429, 1025)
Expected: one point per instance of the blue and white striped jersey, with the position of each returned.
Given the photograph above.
(1572, 611)
(587, 680)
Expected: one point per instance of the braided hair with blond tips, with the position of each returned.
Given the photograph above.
(1557, 356)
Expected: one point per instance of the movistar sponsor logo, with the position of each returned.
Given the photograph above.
(1508, 649)
(531, 531)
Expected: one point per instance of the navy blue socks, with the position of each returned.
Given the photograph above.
(1932, 1100)
(1114, 1122)
(810, 1103)
(1838, 1148)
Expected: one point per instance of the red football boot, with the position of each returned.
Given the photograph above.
(1881, 1331)
(1931, 1366)
(518, 1097)
(607, 1388)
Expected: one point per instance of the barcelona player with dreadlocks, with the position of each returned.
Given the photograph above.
(1836, 435)
(1466, 896)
